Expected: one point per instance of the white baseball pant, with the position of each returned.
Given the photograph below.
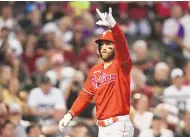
(121, 128)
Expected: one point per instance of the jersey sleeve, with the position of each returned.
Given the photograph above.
(121, 49)
(85, 97)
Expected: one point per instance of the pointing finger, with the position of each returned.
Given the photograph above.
(110, 10)
(99, 13)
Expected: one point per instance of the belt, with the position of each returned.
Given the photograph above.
(109, 121)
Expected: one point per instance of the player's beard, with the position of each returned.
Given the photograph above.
(109, 57)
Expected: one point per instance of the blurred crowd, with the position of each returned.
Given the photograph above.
(47, 49)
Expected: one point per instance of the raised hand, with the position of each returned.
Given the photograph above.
(106, 19)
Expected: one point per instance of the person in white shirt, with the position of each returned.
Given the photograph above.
(156, 129)
(47, 105)
(60, 75)
(173, 33)
(45, 100)
(177, 94)
(142, 118)
(6, 19)
(185, 23)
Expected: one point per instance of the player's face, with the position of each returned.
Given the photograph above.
(107, 50)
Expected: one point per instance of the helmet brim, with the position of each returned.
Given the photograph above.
(99, 40)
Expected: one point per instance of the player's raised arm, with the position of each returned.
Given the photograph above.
(84, 98)
(122, 52)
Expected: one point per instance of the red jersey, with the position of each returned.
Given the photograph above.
(110, 86)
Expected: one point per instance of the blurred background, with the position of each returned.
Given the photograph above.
(47, 49)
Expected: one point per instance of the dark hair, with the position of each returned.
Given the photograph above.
(5, 28)
(28, 128)
(156, 117)
(82, 124)
(42, 43)
(44, 80)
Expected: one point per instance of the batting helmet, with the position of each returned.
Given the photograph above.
(107, 35)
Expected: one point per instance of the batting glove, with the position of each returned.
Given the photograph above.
(106, 19)
(64, 122)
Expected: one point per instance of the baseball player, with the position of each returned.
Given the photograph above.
(109, 83)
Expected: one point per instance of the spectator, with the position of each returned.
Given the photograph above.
(44, 62)
(74, 87)
(142, 118)
(173, 33)
(4, 113)
(51, 13)
(8, 129)
(16, 119)
(163, 9)
(184, 21)
(81, 130)
(50, 32)
(47, 105)
(16, 42)
(11, 95)
(185, 132)
(160, 78)
(88, 21)
(32, 23)
(33, 130)
(4, 34)
(88, 54)
(65, 25)
(169, 120)
(156, 129)
(140, 49)
(138, 79)
(132, 114)
(138, 24)
(30, 55)
(60, 75)
(8, 58)
(77, 43)
(138, 83)
(141, 57)
(174, 94)
(6, 19)
(72, 93)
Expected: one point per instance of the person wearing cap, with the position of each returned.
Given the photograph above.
(175, 94)
(109, 83)
(15, 117)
